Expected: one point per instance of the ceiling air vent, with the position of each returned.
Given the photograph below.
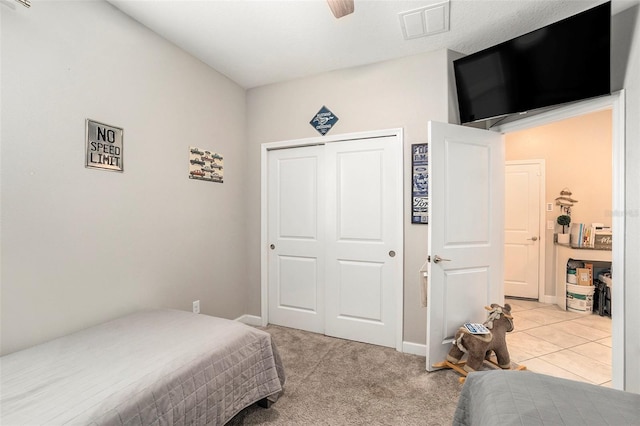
(425, 21)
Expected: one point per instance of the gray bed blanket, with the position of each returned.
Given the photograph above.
(161, 367)
(525, 398)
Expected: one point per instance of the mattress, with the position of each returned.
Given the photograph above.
(526, 398)
(148, 368)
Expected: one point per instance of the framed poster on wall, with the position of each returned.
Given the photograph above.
(205, 165)
(420, 185)
(104, 149)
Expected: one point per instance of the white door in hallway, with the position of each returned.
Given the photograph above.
(466, 231)
(296, 238)
(335, 238)
(522, 229)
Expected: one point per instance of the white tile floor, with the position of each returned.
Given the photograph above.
(559, 343)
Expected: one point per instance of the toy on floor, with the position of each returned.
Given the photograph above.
(479, 347)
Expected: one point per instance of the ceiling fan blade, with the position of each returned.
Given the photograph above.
(341, 8)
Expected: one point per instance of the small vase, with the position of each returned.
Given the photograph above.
(563, 238)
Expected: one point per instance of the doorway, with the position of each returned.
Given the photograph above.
(615, 104)
(437, 325)
(566, 146)
(332, 236)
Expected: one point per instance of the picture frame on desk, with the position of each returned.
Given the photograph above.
(603, 241)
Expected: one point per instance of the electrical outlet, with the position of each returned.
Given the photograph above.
(549, 224)
(196, 306)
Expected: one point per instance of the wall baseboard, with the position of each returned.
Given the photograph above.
(407, 347)
(250, 320)
(414, 348)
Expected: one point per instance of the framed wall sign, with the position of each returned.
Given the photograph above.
(205, 165)
(104, 148)
(324, 120)
(420, 185)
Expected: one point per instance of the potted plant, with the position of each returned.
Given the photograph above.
(565, 221)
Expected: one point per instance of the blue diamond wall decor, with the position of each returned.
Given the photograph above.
(323, 120)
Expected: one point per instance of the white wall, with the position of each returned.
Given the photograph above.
(401, 93)
(626, 62)
(78, 245)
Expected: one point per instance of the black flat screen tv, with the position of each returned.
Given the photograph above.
(566, 61)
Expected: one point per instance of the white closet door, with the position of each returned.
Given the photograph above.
(296, 238)
(364, 239)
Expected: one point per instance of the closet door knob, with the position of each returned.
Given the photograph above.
(392, 253)
(272, 246)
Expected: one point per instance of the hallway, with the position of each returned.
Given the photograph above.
(560, 343)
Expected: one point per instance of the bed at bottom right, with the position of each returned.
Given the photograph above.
(527, 398)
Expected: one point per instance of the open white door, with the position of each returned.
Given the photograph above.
(466, 231)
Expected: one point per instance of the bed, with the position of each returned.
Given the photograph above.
(159, 367)
(527, 398)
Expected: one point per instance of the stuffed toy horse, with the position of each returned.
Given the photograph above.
(478, 347)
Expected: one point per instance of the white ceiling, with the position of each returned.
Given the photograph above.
(258, 42)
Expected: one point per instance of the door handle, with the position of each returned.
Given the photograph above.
(438, 259)
(533, 238)
(272, 246)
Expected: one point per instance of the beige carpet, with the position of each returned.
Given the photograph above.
(338, 382)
